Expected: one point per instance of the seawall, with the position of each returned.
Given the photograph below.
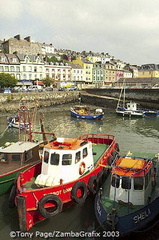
(11, 102)
(146, 98)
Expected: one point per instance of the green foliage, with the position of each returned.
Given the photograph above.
(9, 97)
(7, 80)
(48, 81)
(52, 59)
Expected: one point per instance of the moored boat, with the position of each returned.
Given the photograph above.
(153, 113)
(71, 168)
(14, 158)
(85, 112)
(128, 109)
(21, 120)
(129, 198)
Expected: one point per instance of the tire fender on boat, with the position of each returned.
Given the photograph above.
(12, 196)
(50, 198)
(93, 184)
(111, 159)
(80, 185)
(101, 177)
(117, 148)
(82, 168)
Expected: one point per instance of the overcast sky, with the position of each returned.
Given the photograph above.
(126, 29)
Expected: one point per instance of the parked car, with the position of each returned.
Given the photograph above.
(7, 91)
(48, 89)
(72, 88)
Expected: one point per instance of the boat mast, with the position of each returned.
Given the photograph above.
(124, 93)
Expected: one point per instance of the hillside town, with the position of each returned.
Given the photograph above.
(31, 62)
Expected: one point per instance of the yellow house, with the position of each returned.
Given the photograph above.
(148, 74)
(149, 71)
(87, 67)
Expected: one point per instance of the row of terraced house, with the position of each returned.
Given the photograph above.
(26, 60)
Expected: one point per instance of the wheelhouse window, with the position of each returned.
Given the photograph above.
(138, 183)
(85, 152)
(54, 159)
(46, 157)
(16, 157)
(78, 157)
(115, 181)
(28, 155)
(67, 159)
(126, 183)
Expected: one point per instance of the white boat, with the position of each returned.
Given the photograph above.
(127, 109)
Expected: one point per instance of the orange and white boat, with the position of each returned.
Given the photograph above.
(71, 168)
(129, 198)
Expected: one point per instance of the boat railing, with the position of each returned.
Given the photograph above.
(99, 138)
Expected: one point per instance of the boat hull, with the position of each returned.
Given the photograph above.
(151, 113)
(90, 117)
(129, 114)
(128, 223)
(7, 180)
(31, 203)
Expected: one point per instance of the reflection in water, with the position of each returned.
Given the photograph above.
(134, 135)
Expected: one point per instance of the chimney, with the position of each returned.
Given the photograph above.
(17, 37)
(28, 39)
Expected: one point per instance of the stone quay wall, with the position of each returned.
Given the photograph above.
(11, 102)
(145, 98)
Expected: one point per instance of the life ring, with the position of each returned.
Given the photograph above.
(79, 192)
(12, 196)
(50, 198)
(82, 168)
(93, 184)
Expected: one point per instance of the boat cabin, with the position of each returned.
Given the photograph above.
(132, 180)
(64, 160)
(132, 106)
(16, 155)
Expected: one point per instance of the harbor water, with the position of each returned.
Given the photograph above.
(134, 135)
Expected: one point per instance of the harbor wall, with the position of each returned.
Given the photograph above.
(12, 101)
(146, 98)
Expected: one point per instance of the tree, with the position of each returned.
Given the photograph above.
(7, 80)
(48, 81)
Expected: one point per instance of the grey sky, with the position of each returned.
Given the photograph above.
(126, 29)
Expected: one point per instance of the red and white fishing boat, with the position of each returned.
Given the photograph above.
(71, 168)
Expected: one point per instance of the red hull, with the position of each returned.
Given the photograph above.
(32, 204)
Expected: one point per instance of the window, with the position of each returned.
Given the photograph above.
(78, 157)
(126, 183)
(16, 157)
(138, 183)
(115, 181)
(54, 159)
(28, 155)
(46, 157)
(85, 152)
(67, 159)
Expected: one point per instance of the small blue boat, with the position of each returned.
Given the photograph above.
(129, 198)
(85, 112)
(152, 113)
